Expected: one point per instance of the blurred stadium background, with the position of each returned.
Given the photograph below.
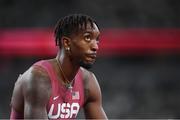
(139, 59)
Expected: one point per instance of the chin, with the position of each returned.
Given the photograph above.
(85, 65)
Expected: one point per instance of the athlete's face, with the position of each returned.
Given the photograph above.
(84, 46)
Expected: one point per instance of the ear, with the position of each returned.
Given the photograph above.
(66, 41)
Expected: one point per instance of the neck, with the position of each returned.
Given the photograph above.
(70, 70)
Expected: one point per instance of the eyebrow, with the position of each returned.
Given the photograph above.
(88, 31)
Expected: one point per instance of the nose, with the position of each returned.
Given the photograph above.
(94, 45)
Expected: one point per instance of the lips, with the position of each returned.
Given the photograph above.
(91, 57)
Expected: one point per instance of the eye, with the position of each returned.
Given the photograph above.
(87, 38)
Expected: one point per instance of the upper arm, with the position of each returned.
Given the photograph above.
(36, 91)
(93, 107)
(17, 100)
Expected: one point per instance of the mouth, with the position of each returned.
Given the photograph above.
(91, 57)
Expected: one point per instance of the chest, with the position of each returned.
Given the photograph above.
(65, 103)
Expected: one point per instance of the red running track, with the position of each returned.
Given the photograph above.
(127, 41)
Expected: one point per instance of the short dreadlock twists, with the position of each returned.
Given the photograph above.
(71, 24)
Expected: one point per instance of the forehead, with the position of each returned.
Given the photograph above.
(90, 28)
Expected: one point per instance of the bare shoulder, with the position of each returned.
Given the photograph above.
(93, 99)
(35, 77)
(92, 88)
(32, 85)
(36, 81)
(87, 75)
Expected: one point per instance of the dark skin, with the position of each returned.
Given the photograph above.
(33, 89)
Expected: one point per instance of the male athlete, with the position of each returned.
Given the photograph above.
(57, 88)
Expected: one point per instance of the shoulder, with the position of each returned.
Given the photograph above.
(29, 85)
(93, 98)
(88, 77)
(34, 75)
(36, 82)
(91, 86)
(87, 74)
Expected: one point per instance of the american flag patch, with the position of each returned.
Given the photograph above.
(75, 95)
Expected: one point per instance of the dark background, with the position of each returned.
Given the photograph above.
(133, 86)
